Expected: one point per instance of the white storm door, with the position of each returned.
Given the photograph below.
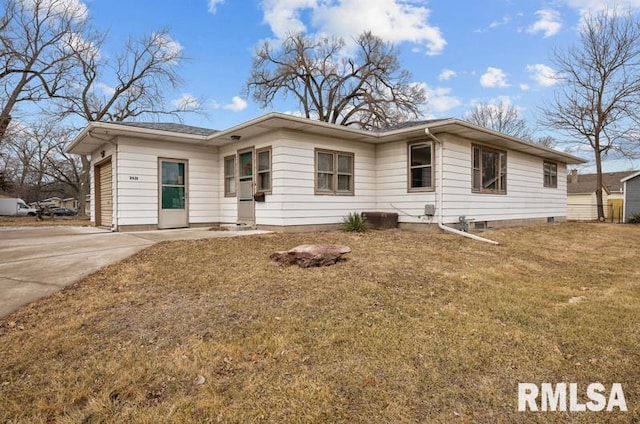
(173, 194)
(246, 205)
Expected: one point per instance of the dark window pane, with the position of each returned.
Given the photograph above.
(344, 182)
(172, 173)
(228, 167)
(420, 155)
(489, 170)
(172, 197)
(325, 162)
(345, 164)
(230, 186)
(246, 165)
(264, 181)
(325, 182)
(263, 161)
(421, 177)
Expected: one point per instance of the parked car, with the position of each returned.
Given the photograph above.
(63, 212)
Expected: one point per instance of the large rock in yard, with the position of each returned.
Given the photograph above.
(308, 255)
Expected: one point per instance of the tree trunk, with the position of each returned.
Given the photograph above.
(83, 186)
(599, 183)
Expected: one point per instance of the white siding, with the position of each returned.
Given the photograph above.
(392, 184)
(138, 180)
(266, 212)
(380, 181)
(526, 196)
(582, 207)
(293, 200)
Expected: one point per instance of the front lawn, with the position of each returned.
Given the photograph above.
(411, 328)
(46, 221)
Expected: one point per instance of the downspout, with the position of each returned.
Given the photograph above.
(440, 194)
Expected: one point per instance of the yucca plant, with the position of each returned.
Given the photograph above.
(354, 223)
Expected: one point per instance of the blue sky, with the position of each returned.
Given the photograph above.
(463, 51)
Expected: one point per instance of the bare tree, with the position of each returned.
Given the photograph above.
(367, 89)
(598, 104)
(37, 40)
(130, 85)
(27, 151)
(501, 116)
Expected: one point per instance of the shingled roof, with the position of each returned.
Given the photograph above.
(409, 124)
(171, 127)
(586, 183)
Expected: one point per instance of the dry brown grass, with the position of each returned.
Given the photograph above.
(412, 328)
(32, 221)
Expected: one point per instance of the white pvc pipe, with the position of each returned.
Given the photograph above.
(440, 194)
(462, 233)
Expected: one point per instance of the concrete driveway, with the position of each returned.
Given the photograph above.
(38, 261)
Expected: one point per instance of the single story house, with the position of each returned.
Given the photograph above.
(581, 195)
(631, 195)
(282, 172)
(74, 204)
(51, 202)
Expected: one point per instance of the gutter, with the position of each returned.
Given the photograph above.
(439, 195)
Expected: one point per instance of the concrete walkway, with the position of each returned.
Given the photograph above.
(38, 261)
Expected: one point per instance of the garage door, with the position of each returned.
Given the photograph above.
(104, 204)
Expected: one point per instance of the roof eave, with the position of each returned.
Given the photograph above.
(628, 177)
(527, 146)
(111, 130)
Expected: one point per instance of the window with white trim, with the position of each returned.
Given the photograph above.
(420, 167)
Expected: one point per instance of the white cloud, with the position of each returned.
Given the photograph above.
(587, 7)
(439, 100)
(498, 103)
(213, 5)
(548, 23)
(494, 77)
(542, 74)
(447, 74)
(495, 24)
(283, 16)
(186, 102)
(106, 89)
(525, 87)
(392, 20)
(167, 46)
(70, 8)
(237, 104)
(77, 43)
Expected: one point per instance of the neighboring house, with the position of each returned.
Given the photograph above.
(581, 195)
(284, 172)
(51, 202)
(69, 203)
(631, 195)
(73, 203)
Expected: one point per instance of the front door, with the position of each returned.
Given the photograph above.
(173, 194)
(246, 208)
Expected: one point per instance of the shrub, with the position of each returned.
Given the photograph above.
(354, 223)
(635, 219)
